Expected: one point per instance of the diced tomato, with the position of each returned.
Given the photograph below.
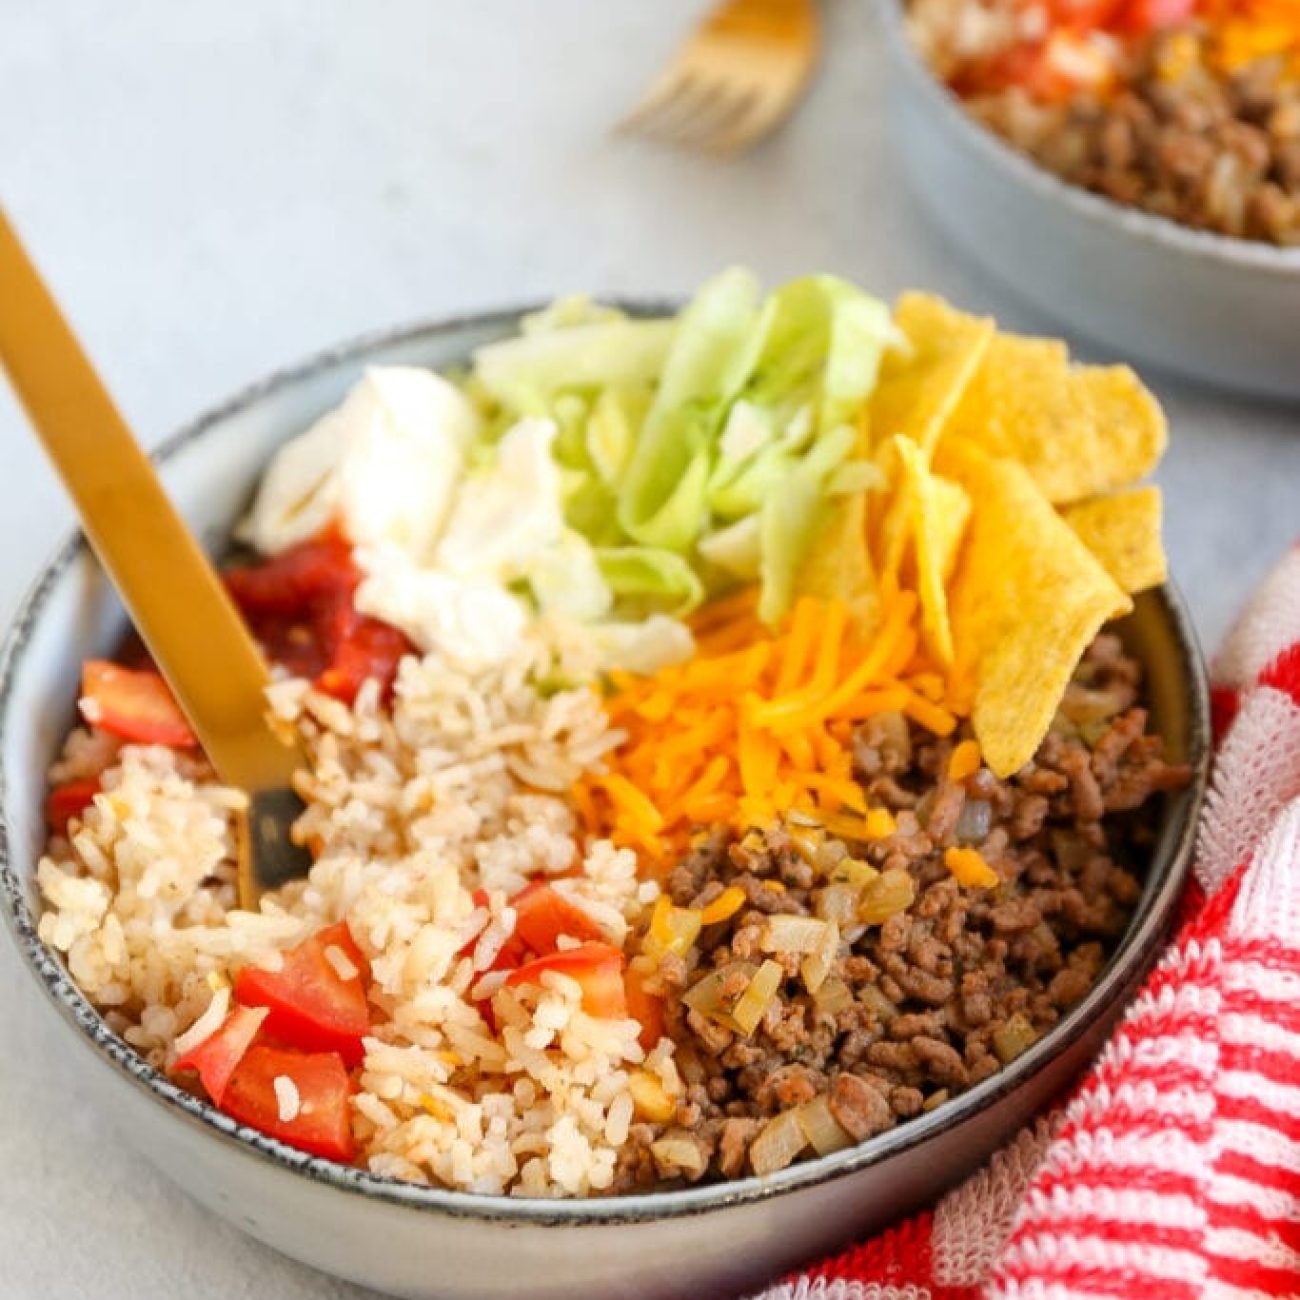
(339, 936)
(363, 648)
(645, 1008)
(216, 1057)
(1053, 71)
(1138, 17)
(322, 1125)
(598, 967)
(544, 914)
(134, 705)
(291, 643)
(69, 800)
(299, 605)
(1082, 15)
(311, 1005)
(289, 582)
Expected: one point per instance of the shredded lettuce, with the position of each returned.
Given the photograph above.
(611, 433)
(712, 354)
(644, 647)
(647, 579)
(566, 579)
(696, 452)
(736, 549)
(790, 519)
(523, 373)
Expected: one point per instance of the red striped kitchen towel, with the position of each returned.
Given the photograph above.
(1173, 1172)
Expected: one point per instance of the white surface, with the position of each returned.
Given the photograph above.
(216, 189)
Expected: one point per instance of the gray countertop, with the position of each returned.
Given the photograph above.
(217, 189)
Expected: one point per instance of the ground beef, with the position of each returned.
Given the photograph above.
(945, 991)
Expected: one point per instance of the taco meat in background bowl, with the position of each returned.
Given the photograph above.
(1136, 262)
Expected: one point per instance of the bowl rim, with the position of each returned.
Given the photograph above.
(1134, 955)
(1248, 255)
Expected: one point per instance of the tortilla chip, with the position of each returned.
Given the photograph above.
(1080, 431)
(891, 530)
(952, 512)
(1027, 599)
(918, 392)
(939, 510)
(838, 565)
(1123, 532)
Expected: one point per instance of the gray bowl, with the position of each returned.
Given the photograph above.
(417, 1241)
(1215, 309)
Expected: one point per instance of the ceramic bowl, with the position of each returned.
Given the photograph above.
(417, 1241)
(1215, 309)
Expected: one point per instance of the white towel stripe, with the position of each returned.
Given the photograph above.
(1144, 1259)
(1249, 1030)
(1251, 1086)
(1259, 1142)
(1272, 1202)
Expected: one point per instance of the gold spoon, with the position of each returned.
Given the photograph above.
(173, 594)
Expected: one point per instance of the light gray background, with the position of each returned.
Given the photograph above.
(215, 189)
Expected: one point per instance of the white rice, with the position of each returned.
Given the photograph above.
(287, 1100)
(460, 785)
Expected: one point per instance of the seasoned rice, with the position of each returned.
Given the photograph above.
(459, 786)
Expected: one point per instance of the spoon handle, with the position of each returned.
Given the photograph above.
(172, 592)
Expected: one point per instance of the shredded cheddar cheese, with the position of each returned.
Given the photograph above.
(1248, 30)
(964, 760)
(724, 907)
(969, 868)
(758, 724)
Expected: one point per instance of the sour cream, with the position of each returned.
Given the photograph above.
(385, 465)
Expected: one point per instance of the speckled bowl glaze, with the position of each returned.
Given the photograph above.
(1216, 310)
(418, 1241)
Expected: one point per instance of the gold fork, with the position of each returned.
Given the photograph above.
(174, 595)
(736, 79)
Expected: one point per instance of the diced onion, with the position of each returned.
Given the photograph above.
(871, 996)
(974, 822)
(778, 1144)
(678, 1153)
(806, 844)
(817, 964)
(756, 999)
(833, 997)
(821, 1128)
(838, 903)
(672, 929)
(830, 853)
(1013, 1037)
(892, 892)
(705, 996)
(855, 872)
(786, 933)
(797, 817)
(1081, 705)
(649, 1097)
